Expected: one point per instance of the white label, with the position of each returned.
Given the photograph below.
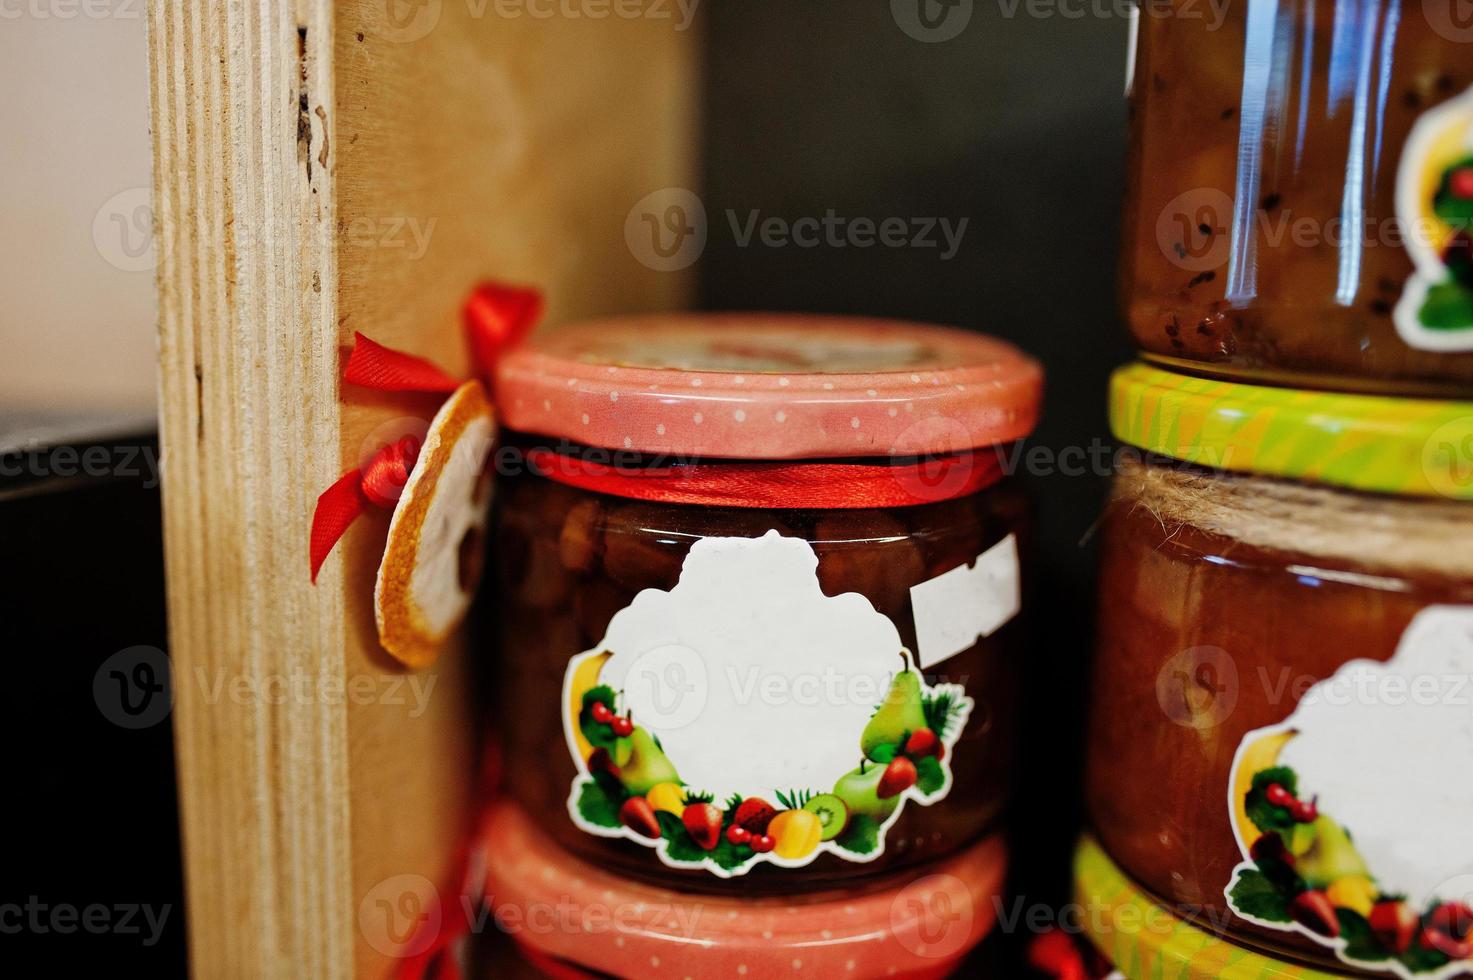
(970, 602)
(746, 680)
(1381, 751)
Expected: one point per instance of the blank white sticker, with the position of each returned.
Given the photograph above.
(970, 602)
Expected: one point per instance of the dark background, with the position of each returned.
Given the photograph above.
(1016, 124)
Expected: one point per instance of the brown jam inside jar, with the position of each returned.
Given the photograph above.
(568, 560)
(1263, 236)
(1223, 598)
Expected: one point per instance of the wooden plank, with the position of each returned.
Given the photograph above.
(318, 170)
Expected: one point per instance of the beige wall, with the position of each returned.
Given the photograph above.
(76, 270)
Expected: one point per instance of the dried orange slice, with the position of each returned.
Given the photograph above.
(433, 558)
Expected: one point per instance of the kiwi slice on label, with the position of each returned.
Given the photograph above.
(832, 813)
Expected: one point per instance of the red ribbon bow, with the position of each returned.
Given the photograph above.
(497, 317)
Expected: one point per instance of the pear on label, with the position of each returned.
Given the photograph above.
(648, 766)
(900, 714)
(1331, 856)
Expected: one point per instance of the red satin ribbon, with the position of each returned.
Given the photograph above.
(771, 485)
(376, 484)
(496, 318)
(372, 365)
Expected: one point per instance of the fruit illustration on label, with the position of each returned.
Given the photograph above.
(647, 767)
(639, 816)
(860, 791)
(795, 833)
(668, 797)
(679, 748)
(900, 714)
(702, 820)
(1434, 205)
(1351, 831)
(832, 813)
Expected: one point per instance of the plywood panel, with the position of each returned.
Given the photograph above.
(321, 169)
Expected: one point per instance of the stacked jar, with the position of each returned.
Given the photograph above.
(1284, 663)
(759, 602)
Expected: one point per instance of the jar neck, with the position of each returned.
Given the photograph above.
(838, 484)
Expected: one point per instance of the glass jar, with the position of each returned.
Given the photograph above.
(1300, 180)
(1279, 664)
(798, 670)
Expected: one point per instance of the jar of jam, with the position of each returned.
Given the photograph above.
(758, 596)
(1285, 669)
(1300, 185)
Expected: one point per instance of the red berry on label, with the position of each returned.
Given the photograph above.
(1453, 918)
(601, 713)
(922, 743)
(1313, 911)
(738, 834)
(639, 816)
(1304, 812)
(754, 814)
(899, 776)
(1395, 924)
(1453, 949)
(1268, 848)
(1278, 796)
(1460, 183)
(761, 843)
(703, 823)
(622, 727)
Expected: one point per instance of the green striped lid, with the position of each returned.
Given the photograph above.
(1147, 942)
(1407, 446)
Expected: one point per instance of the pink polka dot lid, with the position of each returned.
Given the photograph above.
(917, 927)
(769, 386)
